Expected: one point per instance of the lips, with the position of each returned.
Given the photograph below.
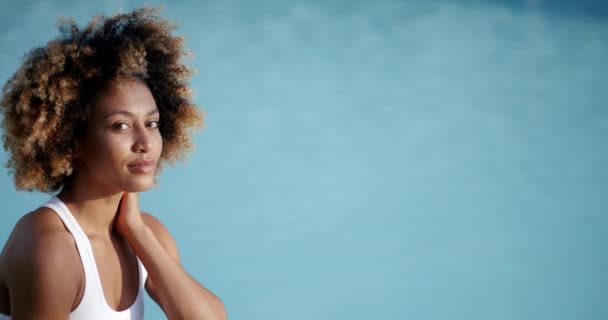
(144, 166)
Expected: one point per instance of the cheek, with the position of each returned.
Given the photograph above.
(108, 150)
(117, 147)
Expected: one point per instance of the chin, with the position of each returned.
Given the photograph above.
(138, 185)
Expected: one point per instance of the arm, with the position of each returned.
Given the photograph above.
(41, 263)
(177, 293)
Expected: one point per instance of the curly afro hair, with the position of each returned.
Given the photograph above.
(47, 101)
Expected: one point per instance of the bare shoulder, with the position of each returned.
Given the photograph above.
(40, 261)
(39, 241)
(38, 233)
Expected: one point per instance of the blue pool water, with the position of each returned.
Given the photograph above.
(381, 159)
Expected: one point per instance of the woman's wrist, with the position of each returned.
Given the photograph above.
(137, 233)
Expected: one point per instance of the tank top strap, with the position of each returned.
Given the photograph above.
(143, 274)
(92, 286)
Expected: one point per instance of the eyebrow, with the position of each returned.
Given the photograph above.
(128, 113)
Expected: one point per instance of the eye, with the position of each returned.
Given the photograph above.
(120, 126)
(153, 124)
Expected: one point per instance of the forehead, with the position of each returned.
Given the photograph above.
(129, 95)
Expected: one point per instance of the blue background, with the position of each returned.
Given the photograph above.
(381, 159)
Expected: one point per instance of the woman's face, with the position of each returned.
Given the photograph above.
(122, 144)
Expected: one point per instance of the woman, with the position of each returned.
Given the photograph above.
(94, 114)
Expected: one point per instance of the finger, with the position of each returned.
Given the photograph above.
(129, 201)
(122, 203)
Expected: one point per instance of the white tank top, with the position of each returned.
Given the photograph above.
(93, 304)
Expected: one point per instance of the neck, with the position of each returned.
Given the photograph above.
(95, 209)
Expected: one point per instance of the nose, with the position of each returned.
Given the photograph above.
(143, 142)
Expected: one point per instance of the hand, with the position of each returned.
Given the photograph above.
(128, 218)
